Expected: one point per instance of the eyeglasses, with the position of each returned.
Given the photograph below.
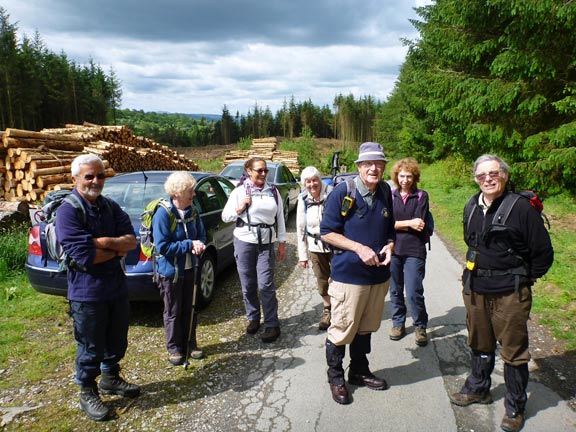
(90, 177)
(482, 176)
(261, 170)
(370, 164)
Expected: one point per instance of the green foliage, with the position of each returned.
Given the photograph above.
(13, 250)
(174, 130)
(305, 146)
(354, 119)
(41, 89)
(244, 143)
(490, 77)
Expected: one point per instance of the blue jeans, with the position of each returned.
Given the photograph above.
(407, 272)
(101, 333)
(255, 264)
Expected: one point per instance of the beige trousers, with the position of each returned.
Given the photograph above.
(356, 309)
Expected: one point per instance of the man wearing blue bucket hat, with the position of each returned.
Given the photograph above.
(359, 224)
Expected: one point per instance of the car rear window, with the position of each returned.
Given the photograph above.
(133, 197)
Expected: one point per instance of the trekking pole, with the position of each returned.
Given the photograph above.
(194, 292)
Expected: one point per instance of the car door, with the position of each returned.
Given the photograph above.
(211, 196)
(293, 185)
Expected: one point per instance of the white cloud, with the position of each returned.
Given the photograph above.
(194, 56)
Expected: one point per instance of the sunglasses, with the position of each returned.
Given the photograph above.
(494, 175)
(90, 177)
(261, 170)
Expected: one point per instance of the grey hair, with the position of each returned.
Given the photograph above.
(489, 158)
(84, 159)
(309, 172)
(178, 182)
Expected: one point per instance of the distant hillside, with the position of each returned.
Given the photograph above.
(209, 117)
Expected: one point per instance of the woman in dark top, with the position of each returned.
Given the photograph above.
(409, 260)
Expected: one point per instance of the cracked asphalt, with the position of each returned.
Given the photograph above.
(282, 386)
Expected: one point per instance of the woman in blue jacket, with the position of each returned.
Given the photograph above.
(179, 237)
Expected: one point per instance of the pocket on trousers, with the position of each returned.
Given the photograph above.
(337, 295)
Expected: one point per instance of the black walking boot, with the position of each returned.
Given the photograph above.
(516, 379)
(91, 403)
(476, 389)
(113, 383)
(359, 373)
(334, 358)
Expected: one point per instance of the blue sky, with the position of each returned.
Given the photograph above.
(195, 56)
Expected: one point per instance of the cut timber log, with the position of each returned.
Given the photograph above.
(42, 144)
(20, 133)
(19, 206)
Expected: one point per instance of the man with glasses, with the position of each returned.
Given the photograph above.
(360, 227)
(95, 238)
(503, 262)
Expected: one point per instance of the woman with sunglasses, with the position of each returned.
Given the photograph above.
(256, 207)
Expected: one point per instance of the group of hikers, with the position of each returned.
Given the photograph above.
(362, 240)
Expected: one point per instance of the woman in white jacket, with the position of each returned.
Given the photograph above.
(256, 207)
(310, 247)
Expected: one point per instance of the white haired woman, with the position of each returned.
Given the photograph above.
(175, 264)
(311, 249)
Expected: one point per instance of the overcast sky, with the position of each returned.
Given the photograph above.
(195, 56)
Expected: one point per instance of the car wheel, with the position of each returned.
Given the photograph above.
(207, 280)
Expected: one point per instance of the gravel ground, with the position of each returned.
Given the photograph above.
(177, 399)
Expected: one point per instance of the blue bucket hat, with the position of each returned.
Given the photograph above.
(371, 151)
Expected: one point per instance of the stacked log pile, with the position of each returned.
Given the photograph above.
(37, 162)
(267, 149)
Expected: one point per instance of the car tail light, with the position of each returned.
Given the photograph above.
(34, 245)
(143, 257)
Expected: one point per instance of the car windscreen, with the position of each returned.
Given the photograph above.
(133, 197)
(233, 172)
(271, 177)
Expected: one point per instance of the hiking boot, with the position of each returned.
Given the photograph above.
(176, 359)
(253, 326)
(397, 333)
(421, 337)
(325, 320)
(115, 384)
(340, 394)
(196, 354)
(465, 399)
(91, 403)
(271, 334)
(367, 379)
(512, 424)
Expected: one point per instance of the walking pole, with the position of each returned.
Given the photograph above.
(194, 292)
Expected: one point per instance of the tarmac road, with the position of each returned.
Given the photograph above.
(283, 386)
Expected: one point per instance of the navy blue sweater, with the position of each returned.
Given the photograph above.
(373, 227)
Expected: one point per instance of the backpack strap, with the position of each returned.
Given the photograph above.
(385, 189)
(76, 202)
(351, 187)
(351, 193)
(165, 204)
(467, 216)
(501, 216)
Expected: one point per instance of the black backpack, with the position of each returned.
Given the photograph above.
(501, 216)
